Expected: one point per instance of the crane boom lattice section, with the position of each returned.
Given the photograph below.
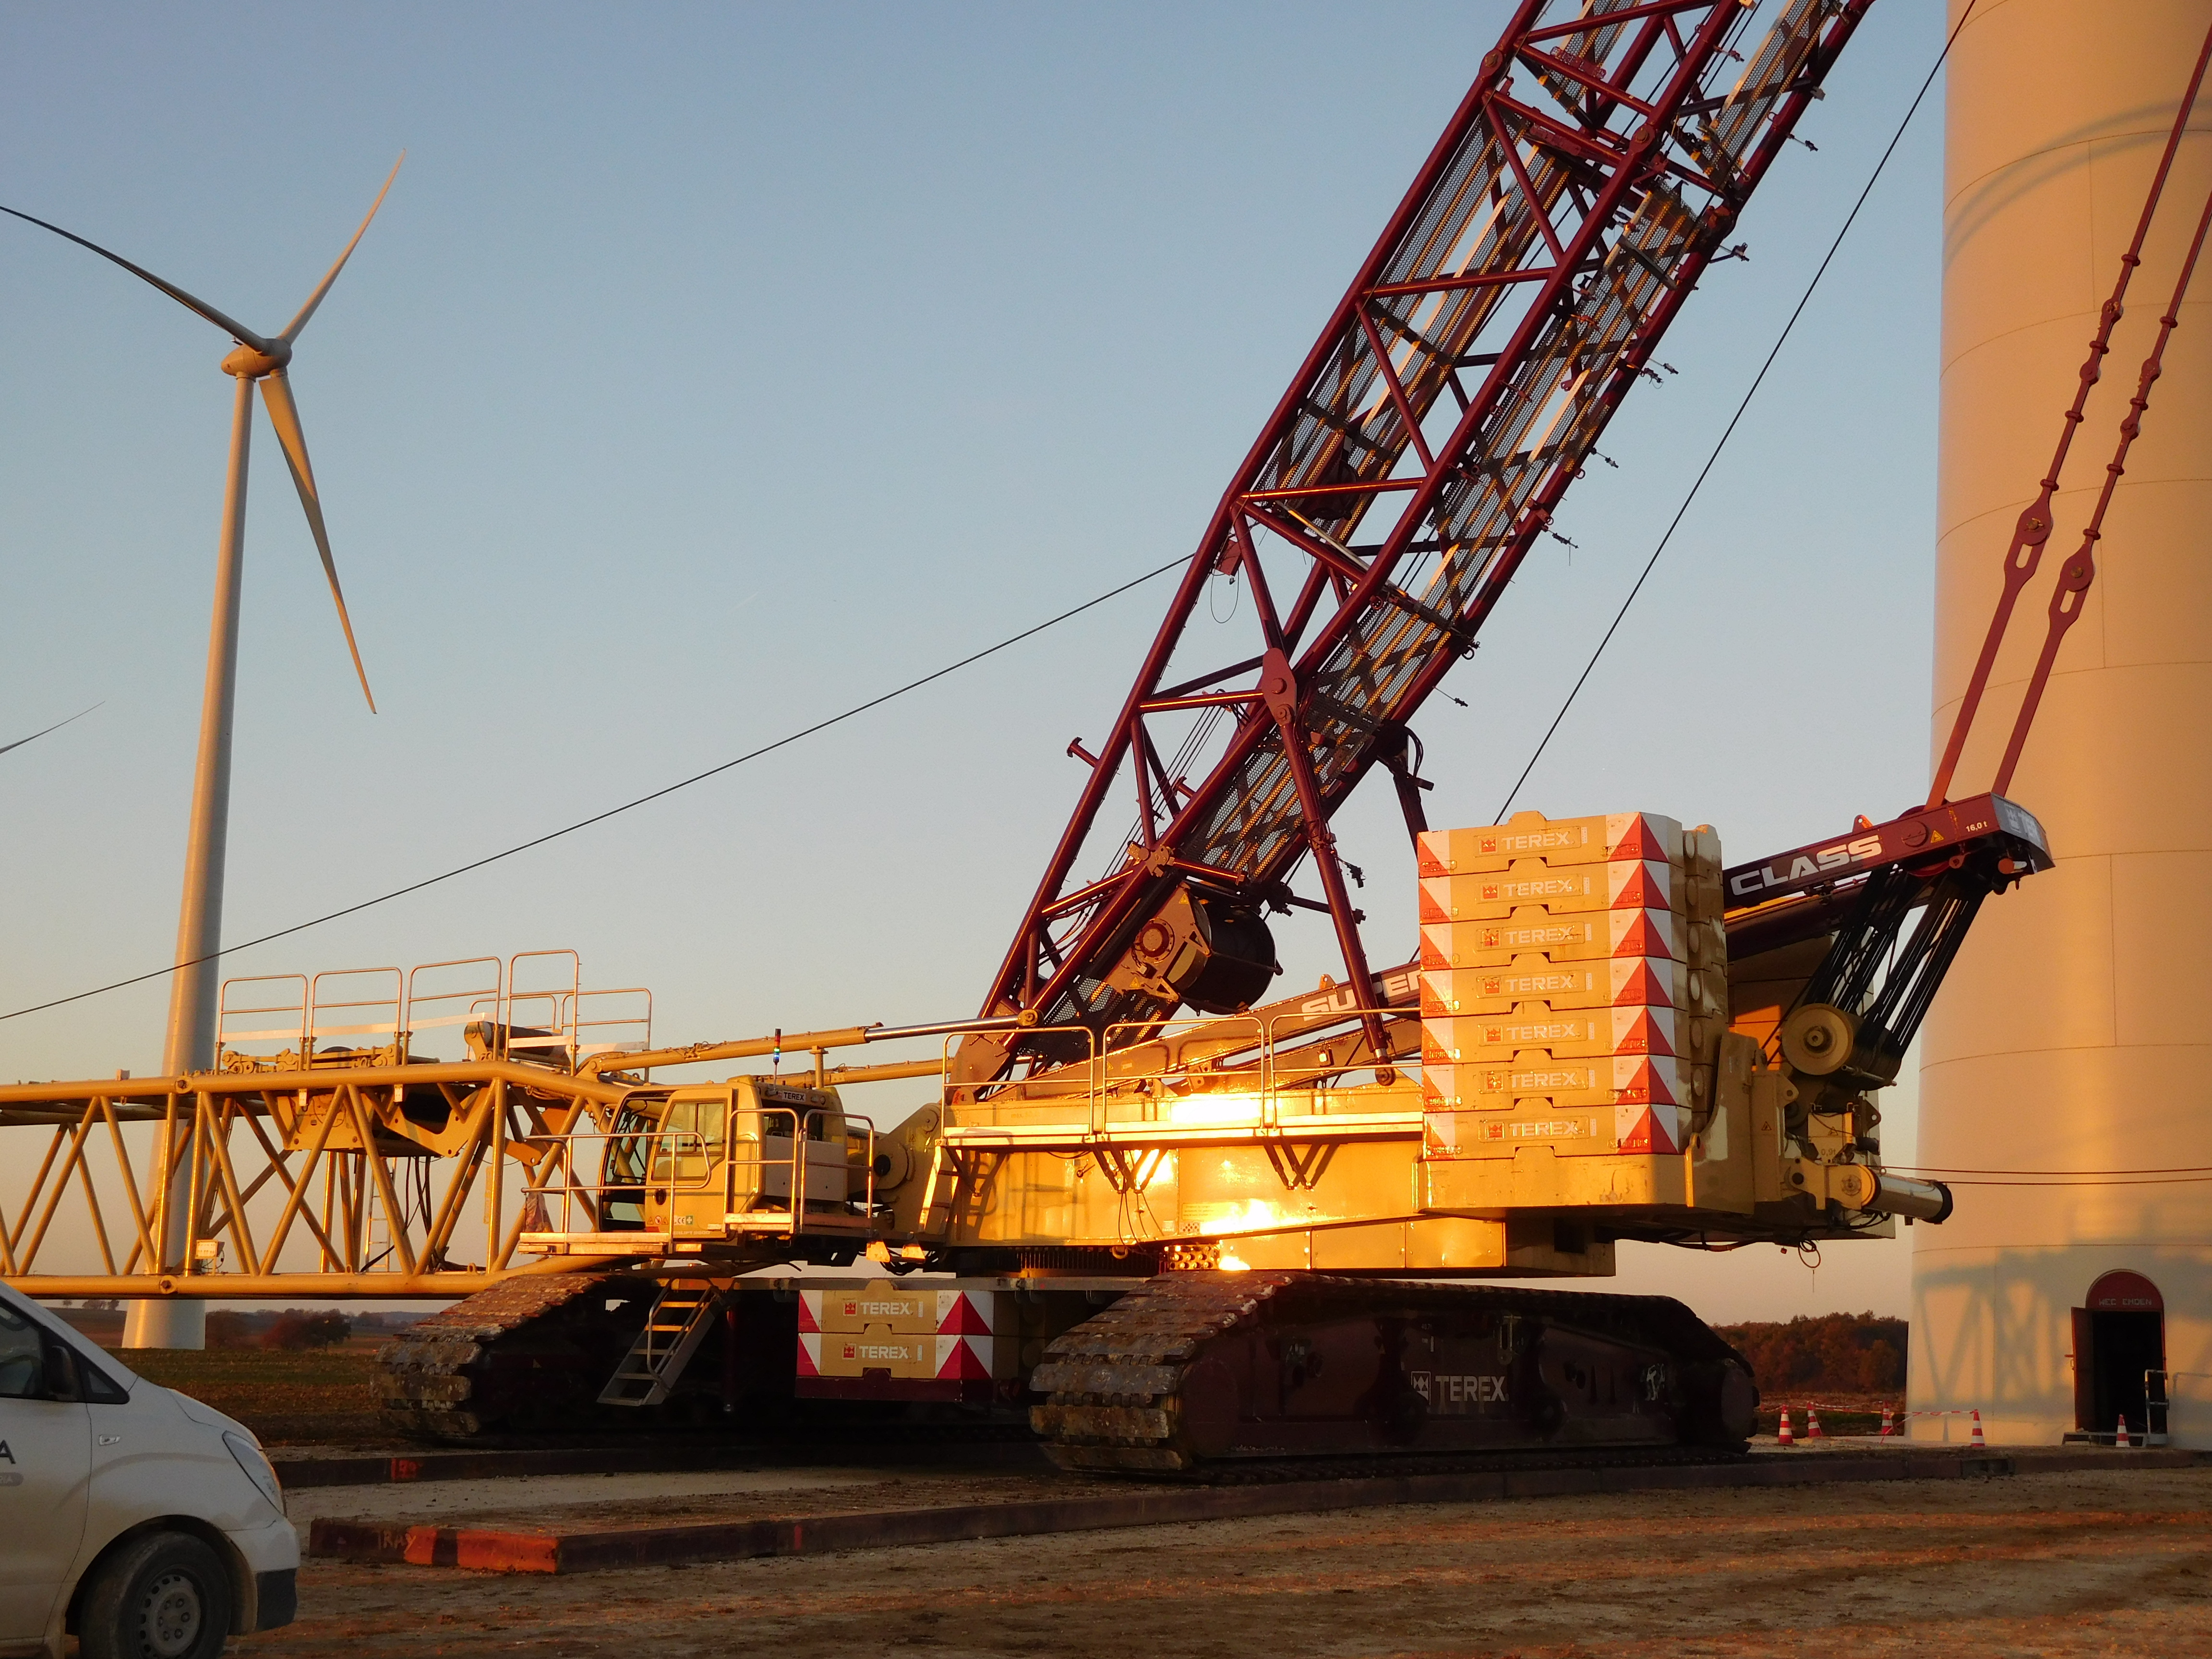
(1520, 289)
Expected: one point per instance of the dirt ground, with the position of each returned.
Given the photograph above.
(2045, 1565)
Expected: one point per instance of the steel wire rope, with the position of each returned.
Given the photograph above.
(2179, 1176)
(1941, 1170)
(1728, 431)
(56, 726)
(2034, 1186)
(783, 742)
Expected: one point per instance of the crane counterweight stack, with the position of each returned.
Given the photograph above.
(1527, 1036)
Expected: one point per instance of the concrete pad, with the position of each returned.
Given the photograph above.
(443, 1501)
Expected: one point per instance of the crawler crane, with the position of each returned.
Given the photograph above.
(1187, 1220)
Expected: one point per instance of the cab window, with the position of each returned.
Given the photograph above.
(626, 1148)
(783, 1109)
(691, 1139)
(622, 1199)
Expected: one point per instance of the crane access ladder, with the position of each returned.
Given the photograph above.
(682, 1316)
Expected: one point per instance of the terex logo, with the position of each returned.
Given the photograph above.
(1531, 984)
(1558, 933)
(1537, 887)
(1531, 840)
(1459, 1390)
(1534, 1033)
(1820, 860)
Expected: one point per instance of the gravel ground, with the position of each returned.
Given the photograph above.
(2100, 1564)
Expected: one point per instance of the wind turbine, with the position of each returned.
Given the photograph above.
(191, 1041)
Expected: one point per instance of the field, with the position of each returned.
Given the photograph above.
(319, 1396)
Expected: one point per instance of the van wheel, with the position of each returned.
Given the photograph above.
(163, 1596)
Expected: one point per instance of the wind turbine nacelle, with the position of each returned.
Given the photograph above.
(251, 363)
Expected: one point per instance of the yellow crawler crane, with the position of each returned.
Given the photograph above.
(1184, 1238)
(1278, 1179)
(1713, 1080)
(1725, 1091)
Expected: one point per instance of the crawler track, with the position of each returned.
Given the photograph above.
(529, 1354)
(1202, 1373)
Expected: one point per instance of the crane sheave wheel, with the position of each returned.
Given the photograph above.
(1817, 1039)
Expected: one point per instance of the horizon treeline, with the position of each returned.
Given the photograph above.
(1839, 1353)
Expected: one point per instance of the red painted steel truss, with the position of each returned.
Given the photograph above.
(1518, 292)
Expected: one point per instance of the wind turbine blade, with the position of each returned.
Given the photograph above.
(285, 416)
(56, 726)
(237, 330)
(292, 329)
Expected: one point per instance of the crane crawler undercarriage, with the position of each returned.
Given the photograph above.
(1195, 1369)
(1181, 1240)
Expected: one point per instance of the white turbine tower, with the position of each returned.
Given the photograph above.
(191, 1041)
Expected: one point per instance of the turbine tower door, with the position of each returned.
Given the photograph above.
(2118, 1336)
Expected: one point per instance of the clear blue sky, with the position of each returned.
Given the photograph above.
(710, 369)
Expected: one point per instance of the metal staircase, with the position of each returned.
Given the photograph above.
(940, 1189)
(681, 1317)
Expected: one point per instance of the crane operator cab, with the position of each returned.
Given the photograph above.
(753, 1156)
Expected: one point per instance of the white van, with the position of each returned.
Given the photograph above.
(131, 1517)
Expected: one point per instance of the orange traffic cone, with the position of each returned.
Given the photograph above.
(1813, 1424)
(1978, 1439)
(1786, 1438)
(2120, 1435)
(1888, 1422)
